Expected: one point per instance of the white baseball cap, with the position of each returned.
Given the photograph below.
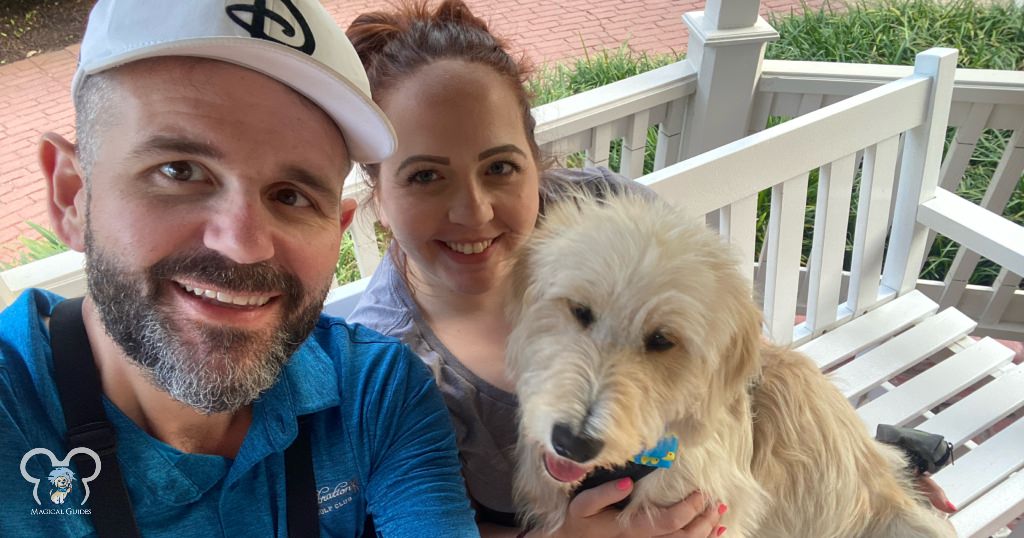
(295, 42)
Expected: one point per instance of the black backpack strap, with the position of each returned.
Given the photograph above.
(300, 483)
(78, 384)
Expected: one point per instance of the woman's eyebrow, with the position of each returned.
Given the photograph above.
(507, 148)
(424, 158)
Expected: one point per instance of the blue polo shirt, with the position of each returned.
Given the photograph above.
(381, 437)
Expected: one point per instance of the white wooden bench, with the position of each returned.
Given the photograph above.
(891, 349)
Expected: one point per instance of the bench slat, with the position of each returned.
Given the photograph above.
(869, 329)
(983, 467)
(992, 511)
(981, 409)
(901, 352)
(937, 384)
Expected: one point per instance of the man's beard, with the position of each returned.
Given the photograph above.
(210, 368)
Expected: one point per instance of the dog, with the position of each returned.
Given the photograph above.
(632, 323)
(61, 478)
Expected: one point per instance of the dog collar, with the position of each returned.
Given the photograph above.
(662, 455)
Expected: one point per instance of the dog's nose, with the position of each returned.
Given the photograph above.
(579, 448)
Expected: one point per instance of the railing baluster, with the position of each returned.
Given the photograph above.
(738, 224)
(634, 145)
(809, 102)
(876, 182)
(762, 109)
(964, 142)
(785, 239)
(669, 135)
(601, 139)
(364, 238)
(825, 267)
(1003, 290)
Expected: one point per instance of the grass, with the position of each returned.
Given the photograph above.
(558, 81)
(989, 35)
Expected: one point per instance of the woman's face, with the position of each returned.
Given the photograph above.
(461, 193)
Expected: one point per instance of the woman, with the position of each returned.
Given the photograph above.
(462, 192)
(459, 196)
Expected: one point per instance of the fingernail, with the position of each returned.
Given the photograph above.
(720, 531)
(722, 508)
(623, 484)
(949, 504)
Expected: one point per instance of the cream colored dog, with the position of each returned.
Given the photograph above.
(633, 322)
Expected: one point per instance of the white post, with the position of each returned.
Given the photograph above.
(726, 47)
(919, 172)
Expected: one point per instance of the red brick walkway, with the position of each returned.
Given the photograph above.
(34, 94)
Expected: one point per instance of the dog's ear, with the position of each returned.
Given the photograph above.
(741, 361)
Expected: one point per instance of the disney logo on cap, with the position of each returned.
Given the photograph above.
(260, 14)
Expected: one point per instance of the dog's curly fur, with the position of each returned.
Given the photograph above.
(760, 427)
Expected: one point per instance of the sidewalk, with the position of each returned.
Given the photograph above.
(34, 93)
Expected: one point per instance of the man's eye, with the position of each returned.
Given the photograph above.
(292, 197)
(183, 171)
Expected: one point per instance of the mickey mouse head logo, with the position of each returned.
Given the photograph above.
(62, 463)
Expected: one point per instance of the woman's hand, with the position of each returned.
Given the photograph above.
(591, 514)
(935, 494)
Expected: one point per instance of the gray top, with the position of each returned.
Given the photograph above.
(484, 416)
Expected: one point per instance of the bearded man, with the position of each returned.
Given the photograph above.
(205, 188)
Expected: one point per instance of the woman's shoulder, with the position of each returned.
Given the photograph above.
(382, 306)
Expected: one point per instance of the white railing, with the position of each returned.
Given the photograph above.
(982, 100)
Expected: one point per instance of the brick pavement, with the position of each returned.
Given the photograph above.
(34, 93)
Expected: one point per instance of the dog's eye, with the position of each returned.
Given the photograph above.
(657, 341)
(582, 313)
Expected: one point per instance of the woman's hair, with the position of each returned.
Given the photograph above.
(394, 45)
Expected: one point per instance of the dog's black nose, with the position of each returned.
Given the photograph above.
(579, 448)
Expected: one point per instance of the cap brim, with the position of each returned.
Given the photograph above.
(367, 131)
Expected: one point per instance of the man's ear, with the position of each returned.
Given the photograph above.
(348, 212)
(65, 189)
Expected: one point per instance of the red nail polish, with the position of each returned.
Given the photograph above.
(623, 484)
(949, 504)
(722, 508)
(720, 531)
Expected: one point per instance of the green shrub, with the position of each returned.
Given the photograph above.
(34, 249)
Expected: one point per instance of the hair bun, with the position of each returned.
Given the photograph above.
(371, 32)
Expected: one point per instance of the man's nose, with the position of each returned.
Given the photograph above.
(472, 207)
(240, 229)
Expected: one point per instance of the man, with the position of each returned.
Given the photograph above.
(205, 189)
